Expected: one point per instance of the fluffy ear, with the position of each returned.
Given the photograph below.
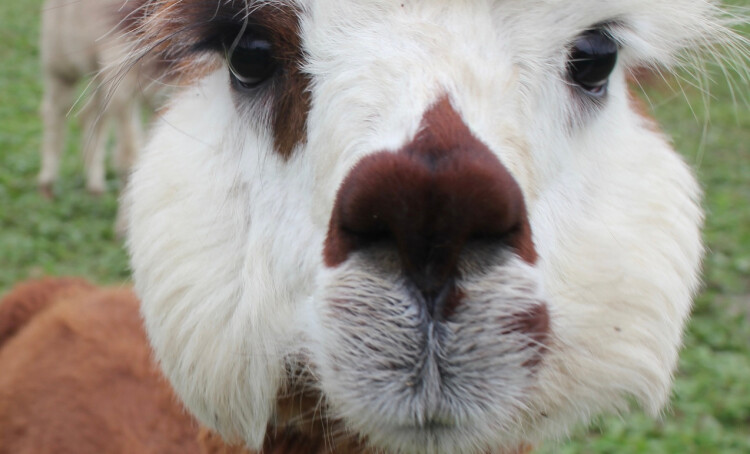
(693, 35)
(212, 317)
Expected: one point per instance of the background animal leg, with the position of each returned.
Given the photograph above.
(95, 122)
(58, 94)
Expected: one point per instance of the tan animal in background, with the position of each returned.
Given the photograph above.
(79, 43)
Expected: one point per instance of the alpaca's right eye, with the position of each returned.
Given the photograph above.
(251, 60)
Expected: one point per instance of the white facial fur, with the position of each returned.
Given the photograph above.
(227, 236)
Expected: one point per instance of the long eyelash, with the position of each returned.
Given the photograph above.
(238, 36)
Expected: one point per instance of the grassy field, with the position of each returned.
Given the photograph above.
(710, 411)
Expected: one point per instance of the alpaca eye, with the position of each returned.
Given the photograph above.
(251, 60)
(592, 61)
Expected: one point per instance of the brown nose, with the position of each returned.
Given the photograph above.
(429, 200)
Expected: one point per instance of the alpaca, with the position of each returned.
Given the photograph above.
(77, 42)
(425, 226)
(445, 226)
(77, 376)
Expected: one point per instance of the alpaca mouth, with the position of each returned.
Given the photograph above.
(433, 429)
(392, 370)
(433, 436)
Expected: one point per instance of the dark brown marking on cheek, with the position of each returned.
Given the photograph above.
(291, 100)
(536, 324)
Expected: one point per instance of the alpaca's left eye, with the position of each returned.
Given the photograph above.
(251, 60)
(592, 61)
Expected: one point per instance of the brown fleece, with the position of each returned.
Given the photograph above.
(76, 376)
(30, 298)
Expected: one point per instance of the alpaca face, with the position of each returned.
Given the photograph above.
(449, 214)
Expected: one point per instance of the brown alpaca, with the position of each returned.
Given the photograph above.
(77, 375)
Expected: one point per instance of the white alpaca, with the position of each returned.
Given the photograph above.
(445, 220)
(77, 43)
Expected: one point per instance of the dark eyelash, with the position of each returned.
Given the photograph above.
(215, 35)
(224, 22)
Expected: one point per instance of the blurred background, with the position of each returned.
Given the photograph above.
(710, 411)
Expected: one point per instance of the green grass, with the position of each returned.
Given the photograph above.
(710, 411)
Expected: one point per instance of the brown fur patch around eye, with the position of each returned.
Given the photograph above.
(291, 100)
(186, 35)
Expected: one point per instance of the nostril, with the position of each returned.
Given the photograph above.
(510, 236)
(367, 234)
(363, 216)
